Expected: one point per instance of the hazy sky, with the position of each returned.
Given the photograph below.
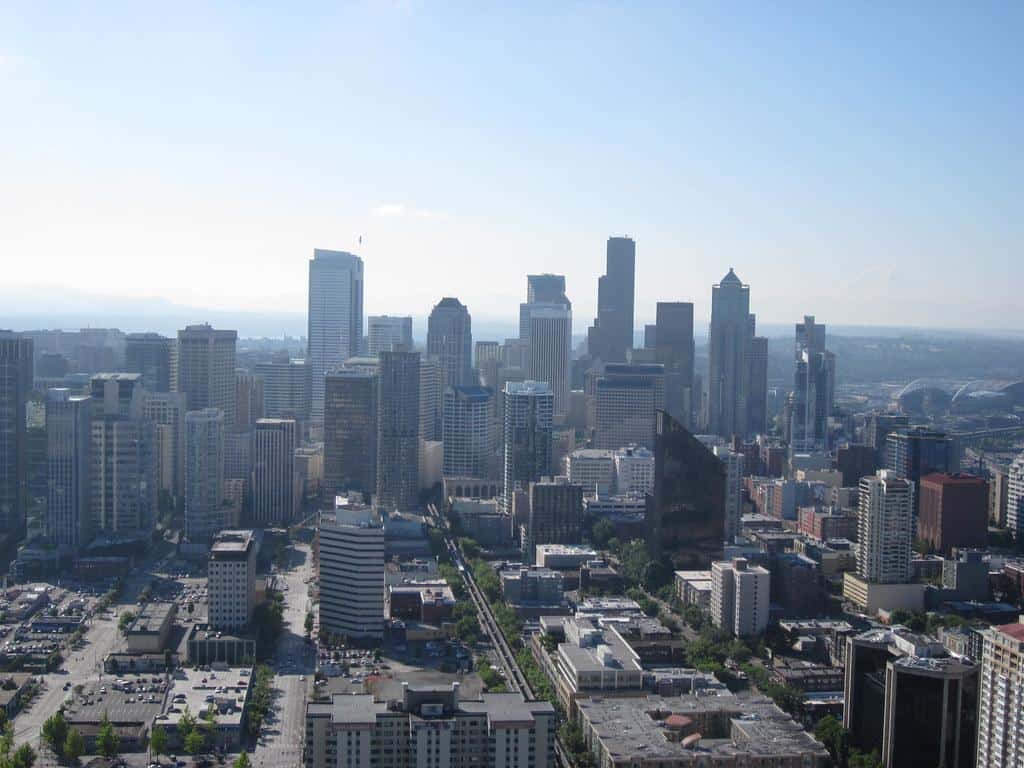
(862, 163)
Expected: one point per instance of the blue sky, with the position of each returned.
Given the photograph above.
(861, 163)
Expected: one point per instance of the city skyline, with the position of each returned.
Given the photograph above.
(795, 157)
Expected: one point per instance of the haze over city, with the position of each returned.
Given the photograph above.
(828, 154)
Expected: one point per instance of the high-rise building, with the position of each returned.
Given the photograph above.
(733, 463)
(248, 400)
(68, 450)
(15, 386)
(810, 338)
(204, 475)
(757, 383)
(232, 580)
(335, 317)
(529, 410)
(685, 518)
(384, 331)
(468, 443)
(351, 550)
(624, 400)
(1001, 693)
(450, 340)
(556, 514)
(167, 412)
(879, 427)
(727, 350)
(914, 453)
(611, 335)
(739, 597)
(855, 462)
(813, 393)
(398, 426)
(150, 355)
(885, 528)
(206, 369)
(910, 701)
(273, 473)
(123, 472)
(350, 432)
(674, 348)
(1015, 497)
(593, 469)
(286, 390)
(431, 398)
(953, 512)
(549, 336)
(651, 336)
(998, 494)
(541, 289)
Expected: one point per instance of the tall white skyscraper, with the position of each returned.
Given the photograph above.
(335, 318)
(1015, 497)
(550, 350)
(204, 474)
(351, 542)
(733, 463)
(467, 431)
(885, 528)
(384, 330)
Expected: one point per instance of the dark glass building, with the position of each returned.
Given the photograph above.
(15, 387)
(350, 432)
(611, 335)
(686, 512)
(398, 430)
(150, 355)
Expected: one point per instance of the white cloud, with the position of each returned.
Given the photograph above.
(402, 211)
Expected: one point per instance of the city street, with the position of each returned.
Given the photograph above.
(281, 738)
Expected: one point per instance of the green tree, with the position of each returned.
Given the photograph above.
(107, 742)
(195, 744)
(158, 741)
(125, 621)
(24, 757)
(602, 533)
(309, 623)
(242, 761)
(186, 723)
(74, 746)
(55, 732)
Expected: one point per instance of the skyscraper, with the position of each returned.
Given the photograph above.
(273, 473)
(287, 388)
(529, 409)
(335, 317)
(612, 332)
(204, 475)
(810, 338)
(350, 432)
(733, 463)
(450, 340)
(68, 451)
(15, 386)
(150, 355)
(248, 400)
(167, 412)
(813, 392)
(739, 597)
(123, 472)
(550, 350)
(885, 528)
(556, 514)
(757, 383)
(623, 401)
(467, 432)
(674, 348)
(206, 369)
(385, 330)
(685, 518)
(398, 426)
(730, 358)
(953, 512)
(1000, 730)
(351, 541)
(431, 398)
(541, 289)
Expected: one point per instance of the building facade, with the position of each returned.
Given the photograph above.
(384, 331)
(204, 475)
(611, 335)
(450, 340)
(398, 426)
(273, 473)
(740, 597)
(351, 552)
(232, 580)
(206, 369)
(528, 414)
(467, 435)
(350, 431)
(68, 452)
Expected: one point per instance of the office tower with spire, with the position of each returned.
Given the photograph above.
(350, 432)
(737, 363)
(384, 331)
(335, 317)
(150, 354)
(674, 348)
(69, 453)
(204, 475)
(450, 340)
(398, 427)
(273, 473)
(206, 369)
(468, 442)
(15, 387)
(528, 413)
(611, 335)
